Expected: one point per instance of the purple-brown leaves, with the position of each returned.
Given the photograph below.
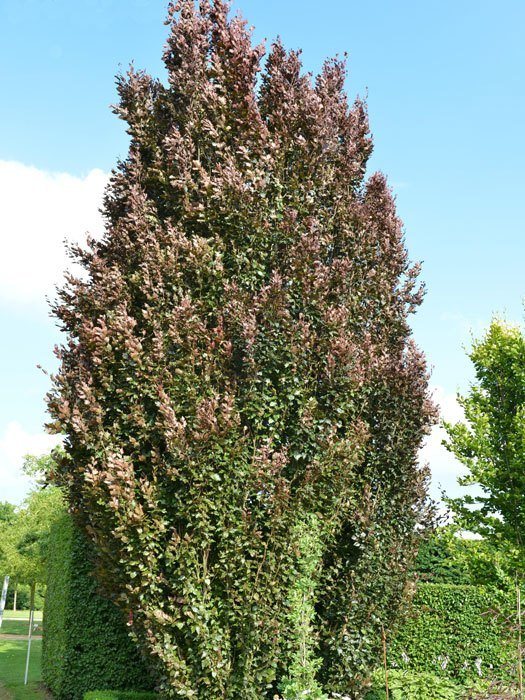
(238, 358)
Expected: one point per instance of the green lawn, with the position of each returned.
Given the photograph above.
(12, 667)
(19, 627)
(10, 614)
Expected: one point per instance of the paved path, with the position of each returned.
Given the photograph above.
(17, 637)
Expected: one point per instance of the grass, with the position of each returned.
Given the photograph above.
(19, 627)
(10, 614)
(12, 668)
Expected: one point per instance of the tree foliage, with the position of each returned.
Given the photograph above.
(7, 513)
(7, 517)
(25, 532)
(491, 442)
(238, 358)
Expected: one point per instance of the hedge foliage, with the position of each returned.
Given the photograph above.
(446, 557)
(460, 632)
(86, 645)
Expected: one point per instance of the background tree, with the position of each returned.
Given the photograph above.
(25, 538)
(238, 367)
(491, 443)
(7, 516)
(7, 512)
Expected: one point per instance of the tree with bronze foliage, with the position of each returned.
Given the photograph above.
(241, 399)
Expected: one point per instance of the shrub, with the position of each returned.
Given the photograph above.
(85, 643)
(238, 359)
(407, 685)
(119, 695)
(460, 632)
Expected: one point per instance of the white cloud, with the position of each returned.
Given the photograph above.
(469, 329)
(445, 468)
(38, 210)
(15, 443)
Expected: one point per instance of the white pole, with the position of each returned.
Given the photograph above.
(29, 636)
(520, 651)
(2, 599)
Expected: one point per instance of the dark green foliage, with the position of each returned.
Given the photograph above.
(451, 628)
(437, 560)
(7, 513)
(444, 557)
(86, 644)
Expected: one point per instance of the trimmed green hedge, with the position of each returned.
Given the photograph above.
(86, 645)
(456, 631)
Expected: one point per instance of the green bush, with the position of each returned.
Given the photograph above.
(119, 695)
(407, 685)
(459, 632)
(86, 644)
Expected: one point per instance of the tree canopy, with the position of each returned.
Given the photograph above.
(241, 398)
(25, 530)
(491, 441)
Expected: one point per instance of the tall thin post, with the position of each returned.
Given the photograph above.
(30, 631)
(3, 598)
(383, 638)
(520, 651)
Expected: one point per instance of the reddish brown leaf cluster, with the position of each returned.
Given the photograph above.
(238, 355)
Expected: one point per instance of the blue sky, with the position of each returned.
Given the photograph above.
(447, 104)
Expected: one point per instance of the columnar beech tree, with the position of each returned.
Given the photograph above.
(238, 365)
